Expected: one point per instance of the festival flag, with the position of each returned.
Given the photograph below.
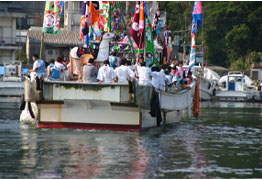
(134, 30)
(84, 29)
(94, 11)
(141, 18)
(105, 16)
(196, 23)
(196, 16)
(165, 44)
(52, 16)
(115, 17)
(157, 22)
(150, 53)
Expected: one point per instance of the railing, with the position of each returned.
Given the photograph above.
(8, 41)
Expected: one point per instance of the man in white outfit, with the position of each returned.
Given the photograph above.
(144, 75)
(106, 73)
(124, 73)
(158, 79)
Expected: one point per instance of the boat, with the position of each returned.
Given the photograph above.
(106, 106)
(235, 87)
(208, 80)
(11, 81)
(78, 105)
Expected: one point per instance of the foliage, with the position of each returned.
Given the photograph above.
(231, 31)
(23, 57)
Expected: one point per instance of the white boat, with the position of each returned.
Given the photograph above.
(207, 82)
(11, 82)
(111, 106)
(235, 87)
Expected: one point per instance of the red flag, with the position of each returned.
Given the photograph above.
(134, 31)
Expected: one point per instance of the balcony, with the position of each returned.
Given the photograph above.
(10, 43)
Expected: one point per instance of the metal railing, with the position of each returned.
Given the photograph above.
(9, 41)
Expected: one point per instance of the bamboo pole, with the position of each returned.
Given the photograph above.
(41, 47)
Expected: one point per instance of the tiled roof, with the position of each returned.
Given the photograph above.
(63, 38)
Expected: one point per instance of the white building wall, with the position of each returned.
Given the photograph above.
(7, 39)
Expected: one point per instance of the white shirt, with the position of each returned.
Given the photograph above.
(169, 79)
(123, 73)
(106, 74)
(36, 65)
(158, 80)
(144, 75)
(60, 66)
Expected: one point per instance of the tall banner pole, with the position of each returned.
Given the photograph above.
(41, 47)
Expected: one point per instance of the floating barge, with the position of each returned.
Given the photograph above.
(67, 104)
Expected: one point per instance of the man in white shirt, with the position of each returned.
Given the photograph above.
(144, 75)
(124, 73)
(106, 73)
(158, 79)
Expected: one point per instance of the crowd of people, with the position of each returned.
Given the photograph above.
(113, 70)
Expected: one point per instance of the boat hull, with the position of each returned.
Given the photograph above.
(233, 96)
(15, 89)
(102, 106)
(93, 114)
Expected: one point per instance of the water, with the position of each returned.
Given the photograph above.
(225, 142)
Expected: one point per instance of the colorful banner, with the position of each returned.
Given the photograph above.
(165, 44)
(84, 29)
(115, 18)
(141, 18)
(105, 16)
(150, 53)
(156, 23)
(196, 23)
(134, 30)
(52, 16)
(94, 11)
(196, 16)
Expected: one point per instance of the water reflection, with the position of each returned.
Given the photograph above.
(222, 143)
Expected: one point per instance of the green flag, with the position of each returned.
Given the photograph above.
(52, 16)
(150, 53)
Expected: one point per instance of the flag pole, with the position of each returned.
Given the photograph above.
(41, 46)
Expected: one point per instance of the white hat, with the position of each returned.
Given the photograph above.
(73, 53)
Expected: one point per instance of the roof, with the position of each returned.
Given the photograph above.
(63, 38)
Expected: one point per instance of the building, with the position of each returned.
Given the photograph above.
(53, 44)
(8, 39)
(256, 71)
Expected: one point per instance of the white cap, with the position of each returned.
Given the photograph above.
(73, 53)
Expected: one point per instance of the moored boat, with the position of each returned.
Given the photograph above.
(235, 87)
(207, 82)
(11, 82)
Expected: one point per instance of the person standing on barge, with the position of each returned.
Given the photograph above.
(124, 73)
(106, 73)
(89, 71)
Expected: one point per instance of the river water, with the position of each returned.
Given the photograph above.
(224, 142)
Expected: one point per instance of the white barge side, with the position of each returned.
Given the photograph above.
(67, 104)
